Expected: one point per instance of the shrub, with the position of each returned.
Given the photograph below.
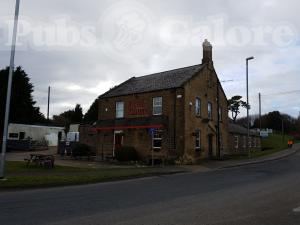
(126, 154)
(82, 150)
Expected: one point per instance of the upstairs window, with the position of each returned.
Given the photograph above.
(198, 107)
(198, 140)
(209, 109)
(119, 110)
(157, 106)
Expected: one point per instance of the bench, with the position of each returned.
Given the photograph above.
(46, 161)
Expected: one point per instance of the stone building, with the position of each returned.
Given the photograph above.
(180, 113)
(238, 139)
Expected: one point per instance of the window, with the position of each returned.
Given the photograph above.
(209, 108)
(254, 142)
(198, 107)
(157, 140)
(244, 141)
(157, 106)
(236, 142)
(197, 140)
(119, 109)
(249, 142)
(220, 114)
(209, 83)
(13, 135)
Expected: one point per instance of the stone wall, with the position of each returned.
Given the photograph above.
(204, 86)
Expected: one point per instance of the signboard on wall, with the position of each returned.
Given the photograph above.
(137, 108)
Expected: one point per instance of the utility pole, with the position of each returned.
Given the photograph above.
(9, 84)
(248, 119)
(259, 96)
(282, 130)
(49, 89)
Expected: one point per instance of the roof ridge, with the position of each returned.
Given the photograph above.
(117, 86)
(168, 70)
(171, 79)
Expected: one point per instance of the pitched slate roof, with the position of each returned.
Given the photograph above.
(238, 129)
(154, 82)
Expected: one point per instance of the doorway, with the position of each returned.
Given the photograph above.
(118, 140)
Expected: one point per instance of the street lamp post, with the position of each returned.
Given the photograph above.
(248, 106)
(9, 84)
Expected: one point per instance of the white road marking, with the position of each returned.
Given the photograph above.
(297, 210)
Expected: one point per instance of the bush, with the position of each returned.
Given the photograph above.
(126, 154)
(82, 150)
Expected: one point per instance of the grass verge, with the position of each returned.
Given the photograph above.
(21, 177)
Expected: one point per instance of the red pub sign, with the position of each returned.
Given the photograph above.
(137, 108)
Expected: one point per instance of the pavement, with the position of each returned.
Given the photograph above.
(205, 166)
(62, 161)
(237, 163)
(255, 194)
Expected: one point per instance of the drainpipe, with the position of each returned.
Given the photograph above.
(174, 131)
(218, 120)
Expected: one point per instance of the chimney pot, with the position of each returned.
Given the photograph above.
(207, 52)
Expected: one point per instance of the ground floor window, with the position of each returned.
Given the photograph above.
(250, 142)
(157, 140)
(245, 141)
(198, 140)
(236, 142)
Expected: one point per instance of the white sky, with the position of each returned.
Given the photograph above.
(82, 48)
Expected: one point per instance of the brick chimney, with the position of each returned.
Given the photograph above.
(207, 52)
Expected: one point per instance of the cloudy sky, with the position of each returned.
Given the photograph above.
(82, 48)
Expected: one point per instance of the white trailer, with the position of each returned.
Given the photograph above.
(35, 133)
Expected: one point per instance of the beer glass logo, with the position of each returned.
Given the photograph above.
(126, 31)
(130, 29)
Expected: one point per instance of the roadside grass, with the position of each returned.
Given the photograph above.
(19, 176)
(274, 143)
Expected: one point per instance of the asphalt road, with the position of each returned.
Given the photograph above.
(260, 194)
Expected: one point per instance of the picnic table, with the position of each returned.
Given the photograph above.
(46, 161)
